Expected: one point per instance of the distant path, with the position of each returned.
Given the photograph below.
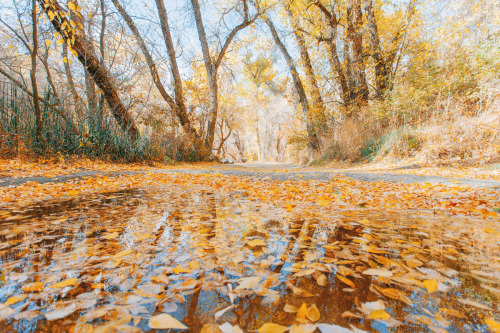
(275, 171)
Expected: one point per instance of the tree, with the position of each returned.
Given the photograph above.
(80, 47)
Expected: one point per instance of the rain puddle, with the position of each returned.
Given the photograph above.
(108, 263)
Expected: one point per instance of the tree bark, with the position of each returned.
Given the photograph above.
(34, 55)
(332, 52)
(382, 72)
(71, 83)
(93, 66)
(357, 78)
(318, 107)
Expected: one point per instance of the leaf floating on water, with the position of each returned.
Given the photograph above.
(210, 328)
(123, 253)
(379, 314)
(313, 313)
(453, 313)
(272, 328)
(301, 292)
(220, 313)
(180, 269)
(61, 313)
(304, 328)
(194, 265)
(256, 242)
(369, 307)
(188, 284)
(301, 312)
(33, 287)
(396, 294)
(165, 321)
(378, 272)
(14, 299)
(431, 286)
(111, 235)
(64, 283)
(325, 328)
(228, 328)
(248, 283)
(412, 263)
(493, 325)
(162, 278)
(290, 308)
(346, 281)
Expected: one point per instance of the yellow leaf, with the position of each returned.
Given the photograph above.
(412, 263)
(33, 287)
(162, 278)
(110, 236)
(48, 42)
(165, 321)
(14, 300)
(493, 325)
(71, 6)
(380, 314)
(179, 269)
(272, 328)
(301, 313)
(313, 313)
(123, 253)
(256, 242)
(64, 283)
(194, 265)
(346, 281)
(60, 41)
(431, 285)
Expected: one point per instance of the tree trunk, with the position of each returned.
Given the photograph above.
(299, 87)
(94, 67)
(333, 57)
(357, 79)
(69, 76)
(382, 71)
(318, 108)
(34, 54)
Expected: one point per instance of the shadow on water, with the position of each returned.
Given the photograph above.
(123, 257)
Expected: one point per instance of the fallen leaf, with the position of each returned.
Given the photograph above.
(33, 287)
(60, 313)
(248, 283)
(64, 283)
(220, 313)
(165, 321)
(313, 313)
(378, 272)
(346, 281)
(379, 314)
(272, 328)
(493, 325)
(431, 285)
(290, 308)
(14, 299)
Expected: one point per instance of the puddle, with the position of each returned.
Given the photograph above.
(117, 259)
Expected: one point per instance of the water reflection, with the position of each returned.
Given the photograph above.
(134, 254)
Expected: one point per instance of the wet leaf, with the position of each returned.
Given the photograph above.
(60, 313)
(302, 312)
(346, 281)
(431, 285)
(378, 272)
(248, 283)
(493, 325)
(162, 278)
(14, 299)
(165, 321)
(228, 328)
(123, 253)
(313, 313)
(412, 263)
(303, 328)
(210, 328)
(272, 328)
(111, 235)
(33, 287)
(290, 308)
(220, 313)
(396, 294)
(379, 314)
(256, 242)
(64, 283)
